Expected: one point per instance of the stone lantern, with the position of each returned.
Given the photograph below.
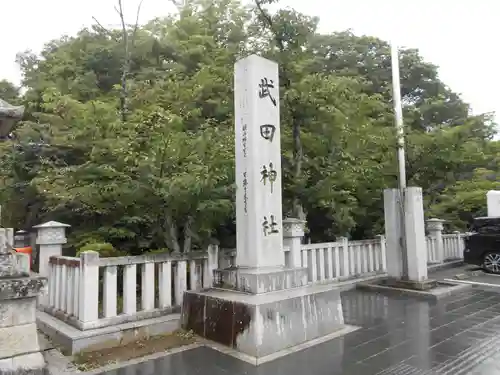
(19, 348)
(50, 238)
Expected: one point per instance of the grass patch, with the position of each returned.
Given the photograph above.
(87, 361)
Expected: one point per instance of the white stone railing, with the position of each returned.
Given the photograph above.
(432, 250)
(454, 245)
(344, 259)
(227, 258)
(91, 292)
(64, 285)
(332, 261)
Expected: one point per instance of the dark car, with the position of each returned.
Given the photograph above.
(482, 246)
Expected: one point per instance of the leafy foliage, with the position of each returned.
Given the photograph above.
(9, 92)
(162, 178)
(105, 249)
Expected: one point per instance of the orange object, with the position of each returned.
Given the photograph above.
(26, 250)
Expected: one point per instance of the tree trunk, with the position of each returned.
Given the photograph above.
(125, 66)
(171, 235)
(298, 153)
(188, 235)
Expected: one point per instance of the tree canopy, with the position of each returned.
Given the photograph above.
(128, 134)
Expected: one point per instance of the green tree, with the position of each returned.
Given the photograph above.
(460, 202)
(162, 177)
(9, 92)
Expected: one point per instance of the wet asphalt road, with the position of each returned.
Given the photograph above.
(398, 336)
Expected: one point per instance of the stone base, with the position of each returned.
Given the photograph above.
(26, 364)
(19, 346)
(260, 280)
(71, 340)
(409, 284)
(260, 325)
(18, 339)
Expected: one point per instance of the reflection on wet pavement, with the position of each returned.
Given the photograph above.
(399, 336)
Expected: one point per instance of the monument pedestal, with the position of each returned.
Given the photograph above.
(260, 280)
(262, 311)
(407, 262)
(261, 325)
(19, 346)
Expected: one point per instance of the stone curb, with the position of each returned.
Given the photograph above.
(468, 275)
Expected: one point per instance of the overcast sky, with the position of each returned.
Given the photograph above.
(460, 36)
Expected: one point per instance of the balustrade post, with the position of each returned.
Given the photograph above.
(89, 286)
(165, 284)
(293, 232)
(457, 250)
(383, 259)
(50, 238)
(110, 291)
(212, 263)
(344, 245)
(130, 289)
(180, 281)
(148, 286)
(435, 228)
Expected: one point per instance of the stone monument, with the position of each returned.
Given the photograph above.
(404, 221)
(19, 347)
(493, 202)
(261, 307)
(406, 249)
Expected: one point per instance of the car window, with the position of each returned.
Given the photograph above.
(486, 226)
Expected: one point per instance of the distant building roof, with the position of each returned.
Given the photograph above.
(8, 110)
(9, 115)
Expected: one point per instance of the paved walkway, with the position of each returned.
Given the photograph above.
(449, 273)
(399, 336)
(470, 275)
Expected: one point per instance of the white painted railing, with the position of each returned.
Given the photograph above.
(91, 292)
(432, 250)
(227, 258)
(344, 259)
(453, 245)
(341, 260)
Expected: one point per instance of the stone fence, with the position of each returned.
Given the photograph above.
(91, 292)
(88, 293)
(346, 260)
